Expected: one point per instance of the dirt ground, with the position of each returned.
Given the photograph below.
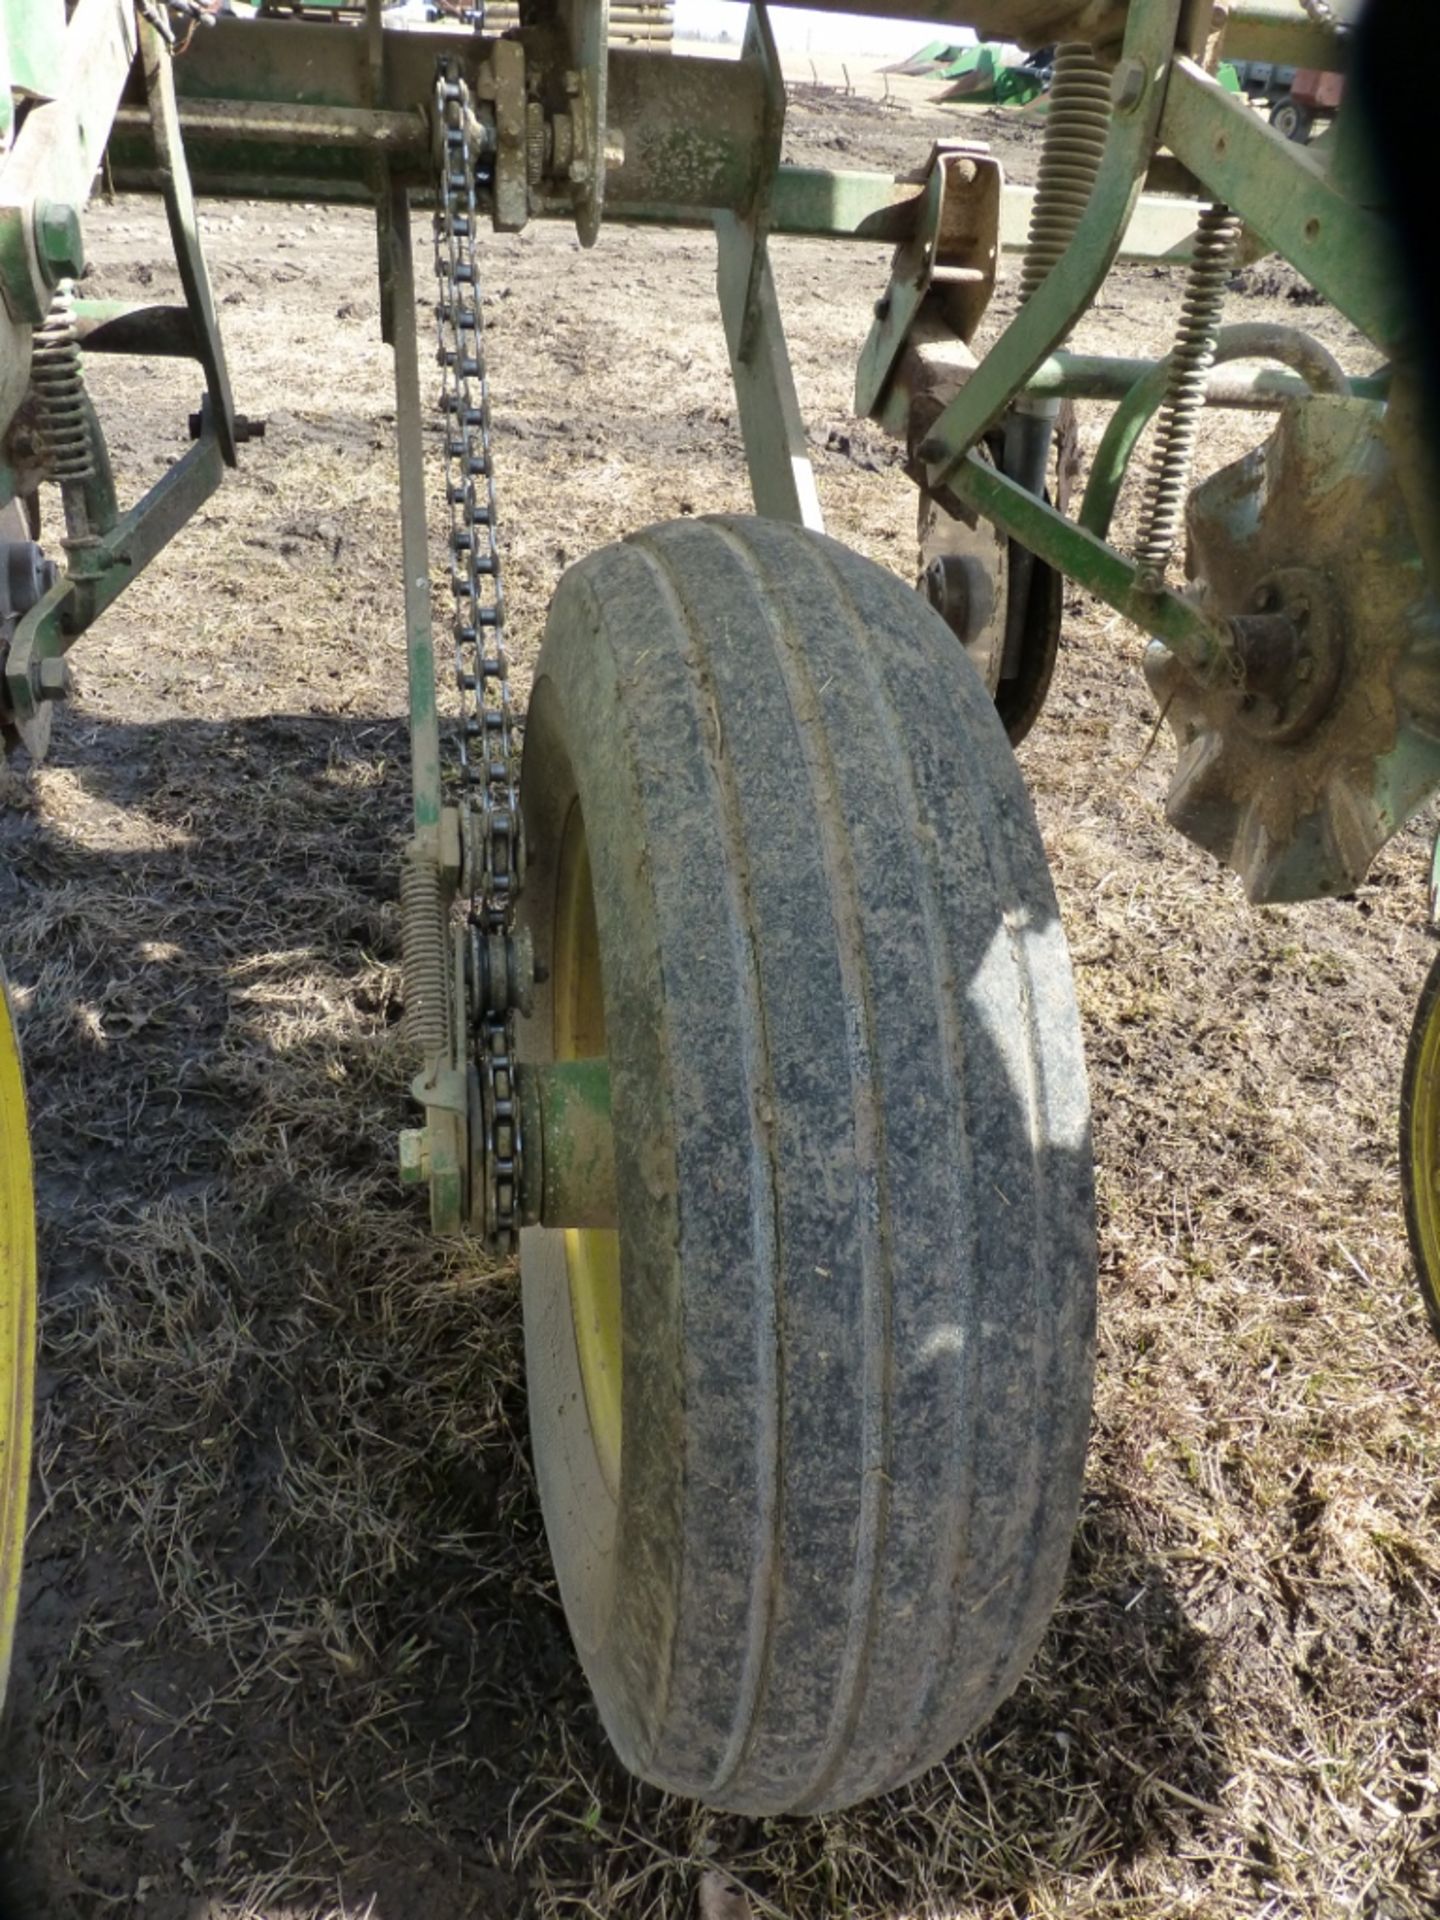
(290, 1647)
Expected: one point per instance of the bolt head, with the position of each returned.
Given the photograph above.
(414, 1156)
(59, 240)
(1127, 85)
(52, 678)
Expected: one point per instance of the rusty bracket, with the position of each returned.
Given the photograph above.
(945, 268)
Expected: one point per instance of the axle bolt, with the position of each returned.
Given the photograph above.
(58, 241)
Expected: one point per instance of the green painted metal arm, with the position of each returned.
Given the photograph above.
(1279, 30)
(1047, 317)
(58, 149)
(1284, 193)
(100, 573)
(1130, 419)
(1203, 644)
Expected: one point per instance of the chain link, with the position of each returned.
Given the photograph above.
(487, 745)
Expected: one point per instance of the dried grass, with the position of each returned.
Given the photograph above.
(292, 1649)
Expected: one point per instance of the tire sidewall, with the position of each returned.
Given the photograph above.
(617, 1560)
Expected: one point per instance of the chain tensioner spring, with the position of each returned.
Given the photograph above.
(59, 386)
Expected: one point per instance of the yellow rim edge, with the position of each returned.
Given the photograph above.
(17, 1327)
(1425, 1149)
(592, 1254)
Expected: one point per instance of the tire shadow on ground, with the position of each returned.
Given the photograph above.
(289, 1634)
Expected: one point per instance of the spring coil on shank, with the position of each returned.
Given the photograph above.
(424, 938)
(1191, 359)
(62, 421)
(1075, 133)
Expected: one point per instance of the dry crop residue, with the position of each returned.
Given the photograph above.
(290, 1643)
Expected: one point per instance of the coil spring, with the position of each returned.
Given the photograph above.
(1075, 133)
(59, 386)
(423, 941)
(1191, 359)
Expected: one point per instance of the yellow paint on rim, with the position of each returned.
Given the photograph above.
(592, 1254)
(1424, 1150)
(17, 1327)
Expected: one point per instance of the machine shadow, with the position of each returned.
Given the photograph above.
(289, 1629)
(1107, 1754)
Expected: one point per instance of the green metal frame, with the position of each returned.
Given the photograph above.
(290, 106)
(781, 477)
(296, 107)
(305, 110)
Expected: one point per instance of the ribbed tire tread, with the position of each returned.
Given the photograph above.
(853, 1169)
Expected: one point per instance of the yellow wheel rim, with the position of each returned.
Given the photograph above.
(592, 1254)
(17, 1326)
(1422, 1149)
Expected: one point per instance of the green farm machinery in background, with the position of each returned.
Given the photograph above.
(740, 1002)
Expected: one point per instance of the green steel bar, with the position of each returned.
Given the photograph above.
(1098, 376)
(782, 480)
(860, 206)
(1280, 31)
(1112, 457)
(100, 574)
(414, 535)
(1048, 315)
(138, 327)
(58, 147)
(32, 33)
(1203, 646)
(157, 64)
(1317, 371)
(1282, 191)
(269, 123)
(1276, 30)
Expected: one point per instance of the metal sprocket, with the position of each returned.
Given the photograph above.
(1295, 779)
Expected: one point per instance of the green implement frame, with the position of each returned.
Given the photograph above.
(344, 113)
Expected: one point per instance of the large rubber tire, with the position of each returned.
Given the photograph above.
(1420, 1143)
(1287, 116)
(856, 1240)
(17, 1326)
